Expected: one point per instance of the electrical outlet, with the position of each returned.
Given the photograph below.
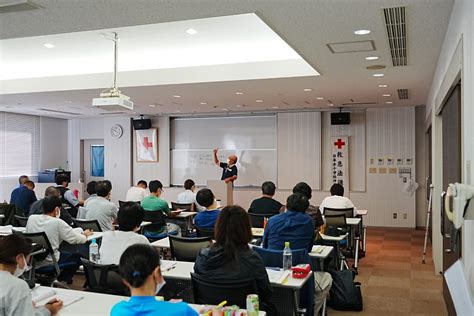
(405, 215)
(394, 215)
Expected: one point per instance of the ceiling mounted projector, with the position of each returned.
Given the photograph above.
(113, 99)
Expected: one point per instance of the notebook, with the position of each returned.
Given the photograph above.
(42, 295)
(278, 276)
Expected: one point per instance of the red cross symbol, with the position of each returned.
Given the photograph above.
(339, 143)
(147, 144)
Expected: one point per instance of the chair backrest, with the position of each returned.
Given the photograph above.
(42, 239)
(338, 220)
(210, 292)
(349, 212)
(274, 258)
(21, 221)
(121, 203)
(257, 220)
(157, 218)
(187, 249)
(204, 232)
(81, 212)
(87, 224)
(104, 278)
(182, 206)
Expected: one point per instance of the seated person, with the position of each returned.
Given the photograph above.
(90, 189)
(337, 199)
(101, 209)
(37, 207)
(294, 226)
(266, 204)
(138, 192)
(67, 195)
(114, 242)
(26, 197)
(312, 210)
(230, 258)
(58, 231)
(15, 295)
(140, 270)
(189, 195)
(206, 219)
(15, 193)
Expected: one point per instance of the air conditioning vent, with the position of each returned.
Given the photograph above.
(58, 112)
(110, 113)
(403, 94)
(395, 24)
(18, 6)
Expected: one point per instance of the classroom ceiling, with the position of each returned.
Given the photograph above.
(307, 27)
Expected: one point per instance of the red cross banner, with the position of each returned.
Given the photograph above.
(147, 145)
(340, 161)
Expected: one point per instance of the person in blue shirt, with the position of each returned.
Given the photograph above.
(26, 197)
(294, 226)
(229, 169)
(15, 193)
(140, 269)
(207, 218)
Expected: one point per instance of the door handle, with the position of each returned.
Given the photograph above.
(447, 236)
(448, 250)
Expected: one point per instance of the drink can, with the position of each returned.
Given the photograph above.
(252, 305)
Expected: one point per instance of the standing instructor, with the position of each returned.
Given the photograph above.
(229, 169)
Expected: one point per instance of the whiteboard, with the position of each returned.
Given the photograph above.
(254, 166)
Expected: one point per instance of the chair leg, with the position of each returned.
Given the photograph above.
(356, 257)
(323, 310)
(365, 237)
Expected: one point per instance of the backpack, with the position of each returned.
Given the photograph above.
(345, 294)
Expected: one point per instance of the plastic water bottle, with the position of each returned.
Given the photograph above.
(287, 257)
(94, 255)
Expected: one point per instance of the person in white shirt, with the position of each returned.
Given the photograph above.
(15, 295)
(101, 209)
(138, 192)
(337, 200)
(189, 195)
(114, 243)
(58, 231)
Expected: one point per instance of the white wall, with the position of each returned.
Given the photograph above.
(461, 28)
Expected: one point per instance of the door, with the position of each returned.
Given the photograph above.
(451, 116)
(92, 161)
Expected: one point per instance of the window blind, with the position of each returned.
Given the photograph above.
(19, 145)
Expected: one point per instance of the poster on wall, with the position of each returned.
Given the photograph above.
(147, 145)
(340, 160)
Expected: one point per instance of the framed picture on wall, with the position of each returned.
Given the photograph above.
(147, 145)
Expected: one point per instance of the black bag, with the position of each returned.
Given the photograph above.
(345, 294)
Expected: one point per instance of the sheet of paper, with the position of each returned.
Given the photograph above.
(277, 276)
(41, 296)
(459, 289)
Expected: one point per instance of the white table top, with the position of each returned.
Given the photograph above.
(95, 304)
(353, 221)
(143, 224)
(162, 243)
(362, 212)
(320, 251)
(182, 271)
(185, 214)
(95, 235)
(332, 238)
(7, 230)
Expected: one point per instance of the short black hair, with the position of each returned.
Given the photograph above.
(61, 178)
(297, 202)
(188, 184)
(109, 184)
(304, 189)
(268, 188)
(205, 197)
(50, 203)
(143, 182)
(29, 183)
(91, 187)
(12, 246)
(137, 263)
(337, 189)
(155, 185)
(102, 188)
(130, 216)
(22, 179)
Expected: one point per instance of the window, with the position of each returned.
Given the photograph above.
(97, 160)
(19, 145)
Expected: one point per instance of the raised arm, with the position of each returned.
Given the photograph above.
(216, 160)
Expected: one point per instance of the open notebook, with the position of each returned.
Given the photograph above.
(42, 295)
(278, 276)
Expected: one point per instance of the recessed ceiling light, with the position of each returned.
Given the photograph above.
(239, 105)
(362, 32)
(307, 89)
(383, 85)
(68, 101)
(225, 109)
(152, 105)
(371, 58)
(320, 98)
(203, 103)
(389, 102)
(176, 96)
(275, 107)
(259, 101)
(48, 45)
(178, 111)
(191, 31)
(330, 104)
(239, 93)
(378, 75)
(386, 95)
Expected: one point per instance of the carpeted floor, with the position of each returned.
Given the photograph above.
(394, 281)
